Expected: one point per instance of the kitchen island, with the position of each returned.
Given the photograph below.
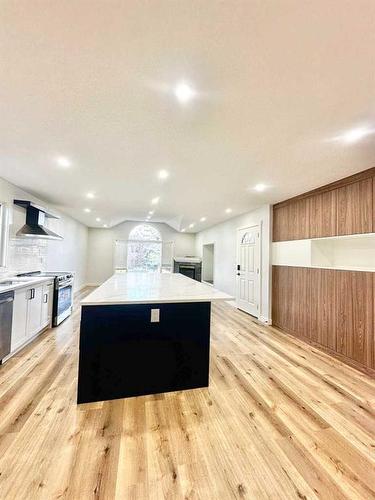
(145, 333)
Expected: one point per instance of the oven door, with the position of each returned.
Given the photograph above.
(64, 302)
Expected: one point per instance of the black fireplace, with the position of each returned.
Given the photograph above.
(189, 266)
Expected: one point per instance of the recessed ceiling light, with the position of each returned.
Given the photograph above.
(354, 135)
(155, 200)
(105, 225)
(87, 210)
(183, 230)
(151, 212)
(184, 93)
(98, 219)
(260, 187)
(90, 195)
(163, 174)
(228, 211)
(202, 219)
(192, 225)
(63, 161)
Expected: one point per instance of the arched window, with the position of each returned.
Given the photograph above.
(144, 232)
(144, 249)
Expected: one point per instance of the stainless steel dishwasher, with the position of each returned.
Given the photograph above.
(6, 318)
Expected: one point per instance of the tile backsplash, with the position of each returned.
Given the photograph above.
(25, 255)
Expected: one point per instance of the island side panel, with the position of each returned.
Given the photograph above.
(124, 354)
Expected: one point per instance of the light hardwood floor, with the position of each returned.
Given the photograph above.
(280, 420)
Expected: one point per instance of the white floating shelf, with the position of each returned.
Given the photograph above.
(350, 252)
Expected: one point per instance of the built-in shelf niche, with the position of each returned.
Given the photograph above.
(351, 252)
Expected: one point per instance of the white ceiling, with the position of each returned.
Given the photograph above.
(93, 80)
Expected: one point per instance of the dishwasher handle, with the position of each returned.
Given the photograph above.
(9, 299)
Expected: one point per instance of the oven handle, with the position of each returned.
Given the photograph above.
(64, 285)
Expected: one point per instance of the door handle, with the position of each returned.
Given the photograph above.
(45, 298)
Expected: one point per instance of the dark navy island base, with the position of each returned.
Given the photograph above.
(122, 354)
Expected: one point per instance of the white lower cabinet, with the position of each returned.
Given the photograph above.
(20, 306)
(47, 299)
(32, 312)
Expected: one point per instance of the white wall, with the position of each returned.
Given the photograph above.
(101, 244)
(26, 255)
(291, 253)
(224, 236)
(356, 252)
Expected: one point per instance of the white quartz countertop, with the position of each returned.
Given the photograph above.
(152, 288)
(22, 282)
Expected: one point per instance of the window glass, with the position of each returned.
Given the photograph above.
(144, 232)
(144, 249)
(248, 238)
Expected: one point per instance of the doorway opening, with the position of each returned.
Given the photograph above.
(208, 263)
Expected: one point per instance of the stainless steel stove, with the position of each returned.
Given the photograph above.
(62, 294)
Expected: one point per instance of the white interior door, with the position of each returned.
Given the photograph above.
(248, 270)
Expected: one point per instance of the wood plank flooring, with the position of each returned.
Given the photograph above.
(280, 420)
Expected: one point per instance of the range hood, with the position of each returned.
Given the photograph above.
(35, 220)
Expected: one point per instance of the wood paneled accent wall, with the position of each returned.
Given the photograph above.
(331, 309)
(343, 207)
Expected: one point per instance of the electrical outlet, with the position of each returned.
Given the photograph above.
(155, 315)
